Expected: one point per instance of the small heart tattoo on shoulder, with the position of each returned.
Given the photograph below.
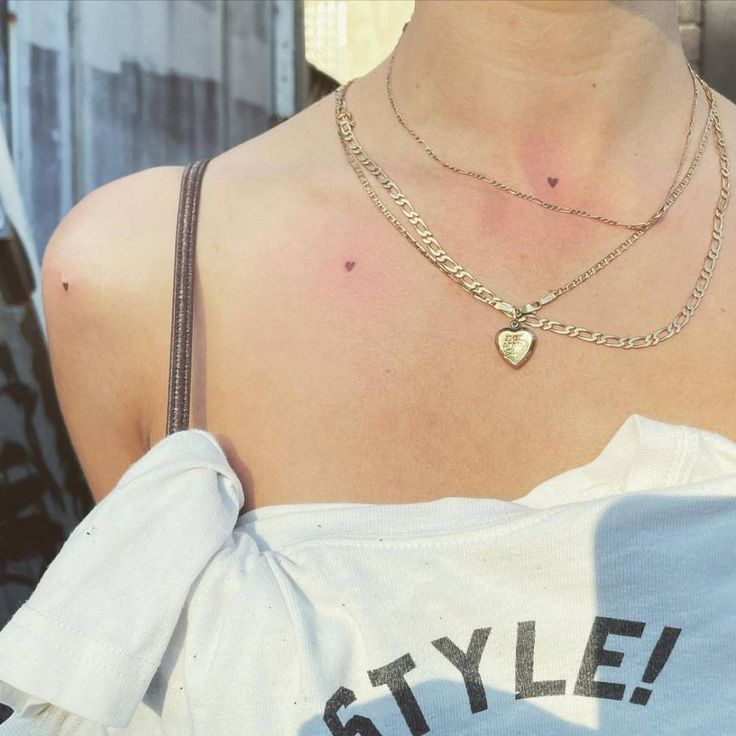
(552, 181)
(349, 265)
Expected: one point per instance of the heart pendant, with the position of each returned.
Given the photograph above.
(516, 344)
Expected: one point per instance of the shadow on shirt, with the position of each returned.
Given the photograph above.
(660, 656)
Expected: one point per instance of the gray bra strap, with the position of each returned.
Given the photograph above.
(180, 359)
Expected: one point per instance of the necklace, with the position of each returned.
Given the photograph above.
(517, 343)
(527, 308)
(431, 152)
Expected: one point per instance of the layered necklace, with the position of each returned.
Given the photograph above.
(517, 342)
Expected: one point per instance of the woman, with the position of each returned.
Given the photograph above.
(545, 549)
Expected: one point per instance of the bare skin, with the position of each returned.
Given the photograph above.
(332, 361)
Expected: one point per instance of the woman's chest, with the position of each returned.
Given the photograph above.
(401, 421)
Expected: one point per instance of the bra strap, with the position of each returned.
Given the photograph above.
(180, 358)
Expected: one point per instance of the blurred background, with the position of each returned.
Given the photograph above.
(91, 90)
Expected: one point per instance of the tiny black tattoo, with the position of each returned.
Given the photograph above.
(552, 181)
(65, 284)
(349, 265)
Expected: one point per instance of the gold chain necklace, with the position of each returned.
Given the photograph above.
(516, 343)
(585, 275)
(431, 152)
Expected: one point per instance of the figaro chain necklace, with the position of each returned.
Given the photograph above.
(517, 343)
(432, 153)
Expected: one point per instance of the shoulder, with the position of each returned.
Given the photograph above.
(107, 240)
(106, 230)
(107, 277)
(97, 273)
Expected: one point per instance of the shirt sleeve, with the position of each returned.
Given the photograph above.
(80, 653)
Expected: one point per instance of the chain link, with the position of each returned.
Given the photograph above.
(431, 249)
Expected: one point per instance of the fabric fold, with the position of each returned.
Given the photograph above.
(91, 636)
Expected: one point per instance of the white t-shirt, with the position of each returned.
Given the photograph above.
(603, 602)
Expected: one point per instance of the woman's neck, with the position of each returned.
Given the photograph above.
(536, 89)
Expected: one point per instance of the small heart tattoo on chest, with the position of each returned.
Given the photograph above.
(552, 181)
(349, 265)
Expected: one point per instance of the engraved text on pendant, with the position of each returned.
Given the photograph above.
(516, 344)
